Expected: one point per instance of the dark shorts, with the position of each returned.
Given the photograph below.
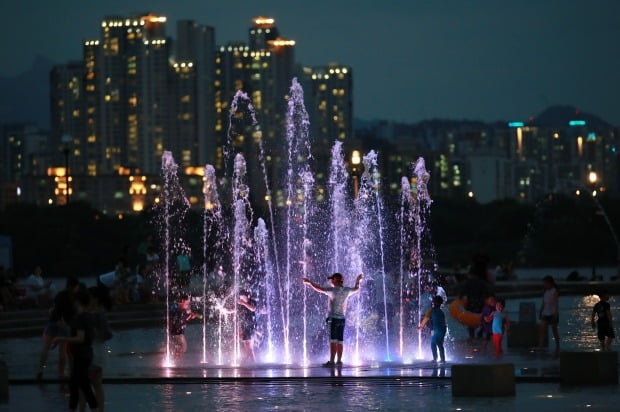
(336, 330)
(55, 329)
(605, 331)
(486, 334)
(551, 319)
(246, 332)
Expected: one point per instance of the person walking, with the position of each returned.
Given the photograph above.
(604, 321)
(549, 313)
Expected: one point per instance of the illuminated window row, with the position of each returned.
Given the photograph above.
(234, 48)
(282, 43)
(133, 22)
(184, 64)
(155, 42)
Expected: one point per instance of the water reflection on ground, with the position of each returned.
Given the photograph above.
(137, 382)
(303, 396)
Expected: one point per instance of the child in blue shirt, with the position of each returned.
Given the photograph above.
(438, 320)
(499, 326)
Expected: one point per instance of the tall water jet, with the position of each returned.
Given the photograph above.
(212, 222)
(265, 266)
(369, 243)
(374, 203)
(339, 209)
(421, 208)
(405, 218)
(308, 183)
(371, 164)
(299, 157)
(241, 243)
(240, 100)
(174, 206)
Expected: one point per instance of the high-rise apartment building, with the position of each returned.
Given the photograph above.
(68, 111)
(264, 70)
(135, 94)
(330, 103)
(24, 163)
(195, 52)
(133, 89)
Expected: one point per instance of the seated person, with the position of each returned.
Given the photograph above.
(38, 289)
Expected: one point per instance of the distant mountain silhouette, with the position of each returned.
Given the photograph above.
(552, 117)
(26, 96)
(559, 116)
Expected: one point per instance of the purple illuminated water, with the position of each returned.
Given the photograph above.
(309, 238)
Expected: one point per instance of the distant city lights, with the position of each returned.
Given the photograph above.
(577, 123)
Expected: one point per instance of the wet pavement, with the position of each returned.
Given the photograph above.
(136, 379)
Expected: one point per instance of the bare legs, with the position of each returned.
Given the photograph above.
(335, 352)
(248, 351)
(179, 345)
(556, 337)
(62, 357)
(554, 330)
(606, 343)
(97, 384)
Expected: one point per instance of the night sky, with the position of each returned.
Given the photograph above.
(412, 59)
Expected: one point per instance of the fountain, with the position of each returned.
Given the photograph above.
(172, 215)
(212, 223)
(303, 237)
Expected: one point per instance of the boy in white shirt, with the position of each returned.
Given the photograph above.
(338, 296)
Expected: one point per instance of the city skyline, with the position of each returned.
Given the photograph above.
(484, 61)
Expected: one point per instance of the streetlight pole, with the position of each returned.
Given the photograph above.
(592, 180)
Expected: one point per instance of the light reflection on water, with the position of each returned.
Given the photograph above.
(575, 314)
(343, 395)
